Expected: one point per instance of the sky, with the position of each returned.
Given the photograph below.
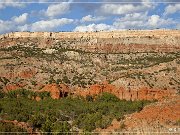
(88, 15)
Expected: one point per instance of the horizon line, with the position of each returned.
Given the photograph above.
(91, 31)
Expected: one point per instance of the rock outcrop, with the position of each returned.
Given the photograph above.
(61, 90)
(122, 93)
(56, 91)
(10, 87)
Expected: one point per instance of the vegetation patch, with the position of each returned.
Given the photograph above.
(70, 113)
(10, 127)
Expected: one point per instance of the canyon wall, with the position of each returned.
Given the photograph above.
(104, 42)
(122, 93)
(111, 34)
(137, 64)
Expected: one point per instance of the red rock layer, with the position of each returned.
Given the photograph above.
(121, 93)
(62, 90)
(166, 112)
(56, 90)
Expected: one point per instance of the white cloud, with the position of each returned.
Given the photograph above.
(45, 25)
(131, 21)
(20, 19)
(120, 9)
(16, 24)
(178, 26)
(11, 3)
(94, 27)
(57, 9)
(171, 9)
(142, 21)
(6, 26)
(23, 27)
(90, 18)
(12, 25)
(155, 21)
(50, 24)
(135, 17)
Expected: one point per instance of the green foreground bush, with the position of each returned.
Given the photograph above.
(50, 115)
(9, 127)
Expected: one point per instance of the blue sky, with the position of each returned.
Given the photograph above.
(76, 15)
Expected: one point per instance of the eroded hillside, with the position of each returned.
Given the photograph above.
(131, 60)
(131, 65)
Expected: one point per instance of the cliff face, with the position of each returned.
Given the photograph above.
(135, 64)
(114, 34)
(121, 93)
(107, 42)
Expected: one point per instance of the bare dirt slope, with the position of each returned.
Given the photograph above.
(158, 118)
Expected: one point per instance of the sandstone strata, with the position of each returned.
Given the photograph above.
(122, 93)
(137, 65)
(56, 91)
(107, 42)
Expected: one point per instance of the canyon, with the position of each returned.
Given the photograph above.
(130, 64)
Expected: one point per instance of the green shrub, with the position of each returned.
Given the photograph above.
(107, 97)
(22, 116)
(54, 115)
(89, 98)
(9, 127)
(44, 94)
(1, 108)
(47, 126)
(61, 127)
(66, 80)
(33, 83)
(37, 120)
(19, 93)
(11, 94)
(58, 81)
(104, 122)
(87, 121)
(2, 94)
